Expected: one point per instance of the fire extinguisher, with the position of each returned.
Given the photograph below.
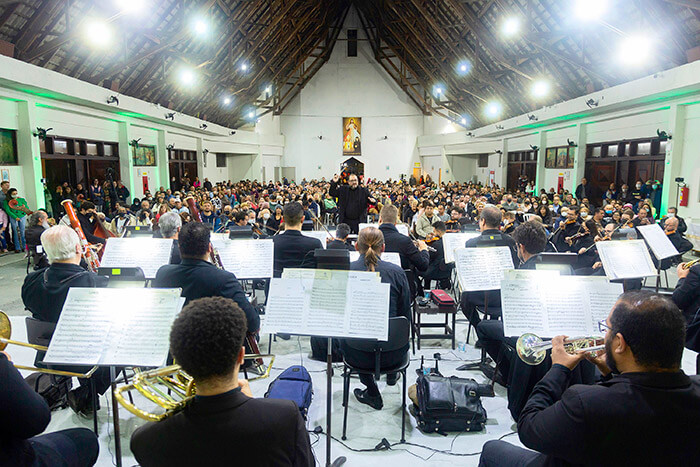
(683, 201)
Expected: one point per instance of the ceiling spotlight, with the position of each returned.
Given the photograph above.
(268, 89)
(540, 88)
(511, 26)
(589, 10)
(113, 100)
(591, 103)
(98, 33)
(438, 90)
(170, 116)
(200, 27)
(227, 100)
(464, 67)
(634, 50)
(251, 114)
(187, 77)
(493, 109)
(244, 67)
(464, 121)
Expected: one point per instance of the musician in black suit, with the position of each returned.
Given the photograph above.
(644, 412)
(24, 414)
(370, 244)
(489, 224)
(352, 201)
(199, 278)
(224, 424)
(437, 269)
(567, 229)
(292, 249)
(412, 254)
(341, 242)
(44, 293)
(687, 297)
(169, 225)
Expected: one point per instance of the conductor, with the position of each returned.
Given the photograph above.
(352, 201)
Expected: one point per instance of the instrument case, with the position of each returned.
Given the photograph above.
(293, 384)
(441, 298)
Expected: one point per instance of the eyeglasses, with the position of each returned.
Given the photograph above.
(603, 326)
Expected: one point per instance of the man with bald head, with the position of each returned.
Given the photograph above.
(681, 243)
(352, 201)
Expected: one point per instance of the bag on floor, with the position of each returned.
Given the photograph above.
(293, 384)
(450, 404)
(54, 389)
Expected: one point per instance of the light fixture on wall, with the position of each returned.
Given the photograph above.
(232, 132)
(385, 137)
(203, 126)
(134, 143)
(470, 134)
(205, 151)
(570, 143)
(204, 159)
(498, 151)
(532, 117)
(41, 133)
(534, 148)
(499, 127)
(592, 103)
(662, 135)
(170, 147)
(320, 137)
(170, 116)
(113, 100)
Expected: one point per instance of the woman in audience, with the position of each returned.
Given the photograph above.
(370, 244)
(546, 216)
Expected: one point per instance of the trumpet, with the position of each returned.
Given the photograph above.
(169, 388)
(690, 264)
(532, 349)
(6, 333)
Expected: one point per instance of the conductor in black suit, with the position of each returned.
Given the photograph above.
(640, 414)
(224, 424)
(352, 201)
(292, 249)
(199, 278)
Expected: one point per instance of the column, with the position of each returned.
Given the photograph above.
(674, 156)
(201, 163)
(163, 170)
(255, 170)
(29, 155)
(580, 160)
(541, 155)
(447, 174)
(126, 161)
(502, 177)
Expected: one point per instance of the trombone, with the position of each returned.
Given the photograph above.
(6, 333)
(169, 388)
(690, 264)
(532, 349)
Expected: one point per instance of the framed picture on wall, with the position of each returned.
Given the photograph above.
(562, 154)
(5, 175)
(550, 158)
(352, 136)
(144, 155)
(8, 147)
(570, 158)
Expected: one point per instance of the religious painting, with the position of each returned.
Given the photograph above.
(561, 157)
(570, 159)
(144, 155)
(352, 136)
(550, 158)
(8, 147)
(5, 175)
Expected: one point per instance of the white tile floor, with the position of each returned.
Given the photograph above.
(366, 427)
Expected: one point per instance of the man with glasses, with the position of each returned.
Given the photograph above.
(639, 414)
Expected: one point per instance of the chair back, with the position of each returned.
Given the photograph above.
(39, 333)
(120, 278)
(528, 216)
(398, 338)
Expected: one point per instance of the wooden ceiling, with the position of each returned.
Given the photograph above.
(283, 43)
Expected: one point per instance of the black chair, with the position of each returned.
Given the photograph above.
(398, 338)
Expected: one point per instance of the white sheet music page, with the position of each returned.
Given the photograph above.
(658, 241)
(453, 241)
(332, 304)
(147, 253)
(482, 268)
(247, 259)
(626, 259)
(388, 256)
(321, 235)
(402, 228)
(109, 328)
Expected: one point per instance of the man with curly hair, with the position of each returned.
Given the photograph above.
(223, 424)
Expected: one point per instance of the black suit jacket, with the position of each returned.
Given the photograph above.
(340, 245)
(199, 278)
(225, 430)
(687, 297)
(294, 250)
(23, 414)
(44, 291)
(395, 242)
(630, 419)
(341, 192)
(89, 229)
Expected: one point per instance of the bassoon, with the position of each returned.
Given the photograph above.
(90, 256)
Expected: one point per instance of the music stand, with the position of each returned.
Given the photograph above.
(138, 231)
(240, 232)
(123, 277)
(332, 259)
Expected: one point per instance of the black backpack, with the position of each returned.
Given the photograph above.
(450, 404)
(54, 389)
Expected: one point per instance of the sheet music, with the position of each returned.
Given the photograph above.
(571, 305)
(109, 328)
(388, 256)
(626, 259)
(321, 235)
(333, 303)
(247, 259)
(451, 241)
(482, 268)
(658, 241)
(402, 228)
(147, 253)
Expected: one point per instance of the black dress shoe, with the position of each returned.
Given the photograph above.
(80, 400)
(373, 401)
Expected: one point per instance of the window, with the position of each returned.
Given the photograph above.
(352, 42)
(221, 160)
(483, 160)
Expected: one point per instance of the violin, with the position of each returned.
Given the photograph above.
(430, 238)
